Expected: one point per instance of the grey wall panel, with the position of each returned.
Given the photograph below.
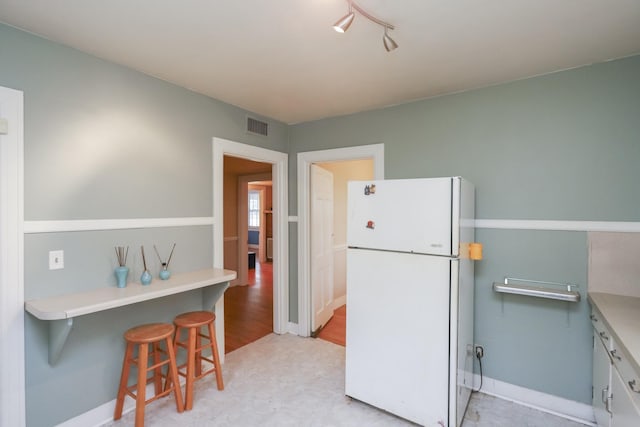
(544, 345)
(90, 258)
(563, 146)
(560, 146)
(105, 142)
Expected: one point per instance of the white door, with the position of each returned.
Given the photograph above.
(12, 398)
(321, 246)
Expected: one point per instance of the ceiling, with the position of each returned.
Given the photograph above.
(281, 59)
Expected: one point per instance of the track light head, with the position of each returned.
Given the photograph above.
(389, 43)
(343, 23)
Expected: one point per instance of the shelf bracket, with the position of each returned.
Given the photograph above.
(58, 333)
(211, 295)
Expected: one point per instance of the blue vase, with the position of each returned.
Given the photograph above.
(164, 273)
(121, 276)
(145, 279)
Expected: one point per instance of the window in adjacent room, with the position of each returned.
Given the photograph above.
(254, 208)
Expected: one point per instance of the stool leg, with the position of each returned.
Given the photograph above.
(174, 348)
(191, 349)
(124, 379)
(173, 376)
(198, 353)
(157, 372)
(143, 362)
(216, 356)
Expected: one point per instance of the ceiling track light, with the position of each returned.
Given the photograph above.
(343, 24)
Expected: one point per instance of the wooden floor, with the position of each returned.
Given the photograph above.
(248, 310)
(335, 329)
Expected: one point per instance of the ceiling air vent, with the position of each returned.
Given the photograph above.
(257, 127)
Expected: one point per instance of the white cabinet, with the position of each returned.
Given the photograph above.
(616, 384)
(601, 383)
(625, 412)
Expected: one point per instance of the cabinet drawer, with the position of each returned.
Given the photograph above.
(600, 329)
(628, 375)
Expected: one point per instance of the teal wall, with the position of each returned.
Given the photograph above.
(103, 141)
(106, 142)
(563, 146)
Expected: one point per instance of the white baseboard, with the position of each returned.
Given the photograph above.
(340, 301)
(103, 414)
(569, 409)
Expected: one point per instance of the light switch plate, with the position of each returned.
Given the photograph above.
(4, 126)
(56, 260)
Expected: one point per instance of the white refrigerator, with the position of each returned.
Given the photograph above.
(410, 289)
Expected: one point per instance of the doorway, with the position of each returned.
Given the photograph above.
(337, 159)
(248, 303)
(278, 163)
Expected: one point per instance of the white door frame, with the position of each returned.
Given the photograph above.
(12, 357)
(305, 159)
(222, 147)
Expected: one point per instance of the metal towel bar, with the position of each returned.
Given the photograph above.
(538, 291)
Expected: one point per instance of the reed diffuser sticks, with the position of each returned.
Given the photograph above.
(164, 264)
(144, 260)
(121, 254)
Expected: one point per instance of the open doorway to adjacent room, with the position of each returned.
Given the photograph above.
(328, 234)
(248, 233)
(332, 296)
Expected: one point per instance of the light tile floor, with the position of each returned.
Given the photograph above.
(284, 380)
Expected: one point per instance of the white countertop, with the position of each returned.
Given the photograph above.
(78, 304)
(622, 315)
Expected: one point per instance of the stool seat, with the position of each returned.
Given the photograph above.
(143, 336)
(192, 322)
(194, 319)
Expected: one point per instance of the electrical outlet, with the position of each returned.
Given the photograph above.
(479, 352)
(56, 260)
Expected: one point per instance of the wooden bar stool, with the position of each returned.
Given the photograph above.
(142, 336)
(193, 322)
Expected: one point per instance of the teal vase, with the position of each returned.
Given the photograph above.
(121, 276)
(164, 273)
(145, 279)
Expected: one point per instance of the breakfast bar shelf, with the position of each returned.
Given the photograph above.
(61, 310)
